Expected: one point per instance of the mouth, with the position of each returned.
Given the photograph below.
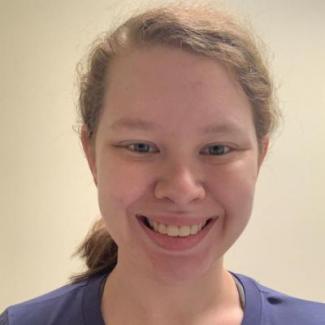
(175, 230)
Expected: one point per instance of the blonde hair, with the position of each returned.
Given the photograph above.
(208, 32)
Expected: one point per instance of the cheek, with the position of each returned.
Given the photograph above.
(234, 186)
(119, 186)
(233, 190)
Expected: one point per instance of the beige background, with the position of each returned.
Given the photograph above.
(47, 198)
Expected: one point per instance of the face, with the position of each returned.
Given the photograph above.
(175, 146)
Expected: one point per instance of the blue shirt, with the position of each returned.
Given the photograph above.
(79, 304)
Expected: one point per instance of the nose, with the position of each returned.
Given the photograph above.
(180, 186)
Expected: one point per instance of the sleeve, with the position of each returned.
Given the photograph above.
(4, 318)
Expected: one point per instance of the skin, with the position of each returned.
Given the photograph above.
(179, 174)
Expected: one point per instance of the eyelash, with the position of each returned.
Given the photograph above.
(226, 149)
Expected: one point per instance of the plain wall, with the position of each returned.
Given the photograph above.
(47, 197)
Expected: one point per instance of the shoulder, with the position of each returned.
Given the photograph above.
(47, 307)
(279, 308)
(61, 306)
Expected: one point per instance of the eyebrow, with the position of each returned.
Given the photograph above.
(135, 124)
(141, 124)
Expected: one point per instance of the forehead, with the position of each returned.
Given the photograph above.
(170, 68)
(165, 83)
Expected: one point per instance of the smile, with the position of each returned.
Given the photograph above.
(174, 230)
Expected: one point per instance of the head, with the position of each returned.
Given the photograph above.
(184, 70)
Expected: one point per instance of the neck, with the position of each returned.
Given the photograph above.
(130, 296)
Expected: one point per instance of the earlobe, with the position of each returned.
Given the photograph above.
(89, 151)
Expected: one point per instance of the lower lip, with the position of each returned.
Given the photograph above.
(177, 243)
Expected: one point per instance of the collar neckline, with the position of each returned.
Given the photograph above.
(247, 288)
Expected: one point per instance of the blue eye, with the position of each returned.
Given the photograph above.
(140, 148)
(145, 148)
(218, 150)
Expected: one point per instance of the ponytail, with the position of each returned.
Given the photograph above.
(99, 252)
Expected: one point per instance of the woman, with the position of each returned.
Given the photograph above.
(177, 109)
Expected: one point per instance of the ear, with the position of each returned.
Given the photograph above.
(89, 150)
(264, 147)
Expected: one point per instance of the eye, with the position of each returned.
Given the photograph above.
(217, 150)
(140, 148)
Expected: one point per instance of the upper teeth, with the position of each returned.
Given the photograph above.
(174, 231)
